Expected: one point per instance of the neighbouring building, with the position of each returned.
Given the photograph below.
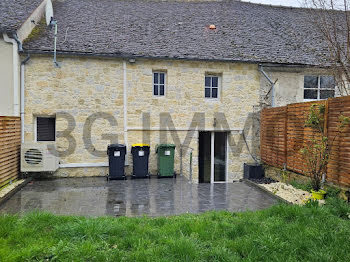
(15, 25)
(191, 73)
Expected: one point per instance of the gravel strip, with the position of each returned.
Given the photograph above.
(288, 192)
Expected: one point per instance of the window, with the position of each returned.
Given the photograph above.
(159, 83)
(45, 129)
(318, 87)
(211, 86)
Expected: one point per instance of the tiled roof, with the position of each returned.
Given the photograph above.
(244, 31)
(14, 12)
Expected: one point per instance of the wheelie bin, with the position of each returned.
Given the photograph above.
(116, 158)
(166, 154)
(140, 158)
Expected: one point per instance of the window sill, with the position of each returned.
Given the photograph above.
(212, 99)
(315, 100)
(310, 100)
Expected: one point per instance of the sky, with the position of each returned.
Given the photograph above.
(339, 4)
(296, 3)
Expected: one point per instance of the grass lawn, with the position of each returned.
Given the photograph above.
(280, 233)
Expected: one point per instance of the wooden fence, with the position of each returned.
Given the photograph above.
(283, 134)
(10, 145)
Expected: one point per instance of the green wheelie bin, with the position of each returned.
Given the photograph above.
(166, 154)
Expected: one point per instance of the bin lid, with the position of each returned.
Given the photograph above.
(140, 145)
(116, 146)
(165, 146)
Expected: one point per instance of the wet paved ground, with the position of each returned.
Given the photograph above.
(152, 197)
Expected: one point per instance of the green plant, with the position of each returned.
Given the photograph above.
(303, 186)
(332, 191)
(338, 207)
(316, 151)
(284, 175)
(311, 203)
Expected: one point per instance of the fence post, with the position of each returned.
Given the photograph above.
(285, 136)
(325, 124)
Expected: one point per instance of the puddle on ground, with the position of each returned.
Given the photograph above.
(152, 197)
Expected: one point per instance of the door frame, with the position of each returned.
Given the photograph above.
(212, 154)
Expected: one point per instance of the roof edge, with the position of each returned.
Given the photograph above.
(130, 56)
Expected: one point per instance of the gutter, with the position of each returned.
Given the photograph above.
(15, 56)
(20, 48)
(261, 69)
(130, 56)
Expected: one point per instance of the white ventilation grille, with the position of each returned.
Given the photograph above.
(33, 156)
(36, 157)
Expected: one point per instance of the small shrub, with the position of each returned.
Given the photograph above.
(303, 186)
(311, 203)
(332, 191)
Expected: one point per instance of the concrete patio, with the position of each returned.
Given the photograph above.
(151, 197)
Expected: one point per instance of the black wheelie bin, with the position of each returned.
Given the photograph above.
(116, 156)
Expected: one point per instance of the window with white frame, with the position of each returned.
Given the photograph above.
(159, 83)
(212, 85)
(318, 87)
(45, 129)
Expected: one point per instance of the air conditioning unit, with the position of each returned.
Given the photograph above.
(36, 157)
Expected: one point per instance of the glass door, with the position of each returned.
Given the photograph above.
(212, 157)
(220, 148)
(204, 157)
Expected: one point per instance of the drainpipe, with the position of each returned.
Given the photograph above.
(125, 110)
(20, 49)
(15, 72)
(261, 69)
(22, 96)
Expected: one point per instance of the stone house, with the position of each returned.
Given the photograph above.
(191, 73)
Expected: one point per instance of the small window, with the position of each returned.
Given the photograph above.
(45, 129)
(211, 86)
(318, 87)
(159, 83)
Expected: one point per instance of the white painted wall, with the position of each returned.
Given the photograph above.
(289, 87)
(6, 79)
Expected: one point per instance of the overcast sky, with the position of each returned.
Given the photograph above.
(339, 4)
(278, 2)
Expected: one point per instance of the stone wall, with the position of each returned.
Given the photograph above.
(86, 86)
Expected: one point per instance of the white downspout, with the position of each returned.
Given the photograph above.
(15, 73)
(125, 110)
(22, 103)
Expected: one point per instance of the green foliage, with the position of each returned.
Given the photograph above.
(338, 207)
(312, 203)
(303, 186)
(315, 118)
(332, 192)
(316, 151)
(280, 233)
(284, 175)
